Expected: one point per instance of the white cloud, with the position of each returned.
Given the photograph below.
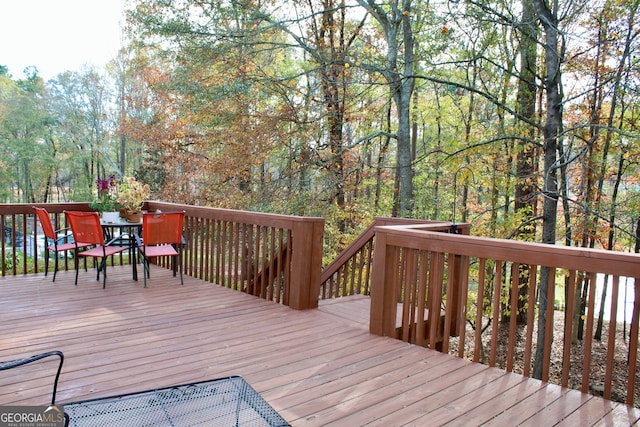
(58, 35)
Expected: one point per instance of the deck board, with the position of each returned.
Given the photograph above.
(315, 367)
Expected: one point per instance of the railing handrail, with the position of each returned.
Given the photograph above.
(247, 217)
(347, 253)
(567, 257)
(57, 208)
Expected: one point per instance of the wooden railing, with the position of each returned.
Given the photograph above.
(22, 245)
(276, 257)
(430, 283)
(491, 277)
(350, 272)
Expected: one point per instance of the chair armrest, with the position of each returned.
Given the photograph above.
(123, 239)
(63, 239)
(26, 360)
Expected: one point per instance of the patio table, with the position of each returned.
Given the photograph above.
(229, 401)
(120, 232)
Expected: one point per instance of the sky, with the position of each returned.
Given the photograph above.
(58, 35)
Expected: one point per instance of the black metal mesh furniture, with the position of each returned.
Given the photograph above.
(27, 360)
(229, 401)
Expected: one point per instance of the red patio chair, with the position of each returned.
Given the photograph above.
(161, 236)
(86, 228)
(56, 243)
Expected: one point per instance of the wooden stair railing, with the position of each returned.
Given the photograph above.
(333, 279)
(265, 283)
(350, 272)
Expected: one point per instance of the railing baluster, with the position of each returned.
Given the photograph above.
(611, 343)
(3, 252)
(25, 262)
(361, 266)
(271, 259)
(435, 296)
(478, 347)
(462, 304)
(568, 330)
(202, 234)
(287, 271)
(548, 337)
(279, 272)
(497, 296)
(351, 270)
(369, 265)
(531, 311)
(451, 302)
(422, 297)
(13, 245)
(405, 291)
(217, 224)
(35, 244)
(238, 233)
(208, 238)
(513, 314)
(588, 341)
(633, 345)
(192, 239)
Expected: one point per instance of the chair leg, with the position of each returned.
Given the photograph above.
(77, 265)
(145, 269)
(46, 262)
(55, 266)
(103, 267)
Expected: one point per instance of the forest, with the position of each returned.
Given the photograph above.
(517, 116)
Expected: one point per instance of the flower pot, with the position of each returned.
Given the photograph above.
(134, 216)
(123, 213)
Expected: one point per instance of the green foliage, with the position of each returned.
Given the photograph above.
(248, 105)
(342, 226)
(8, 262)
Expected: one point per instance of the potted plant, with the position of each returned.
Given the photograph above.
(106, 205)
(131, 196)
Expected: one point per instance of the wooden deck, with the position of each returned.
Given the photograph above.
(315, 367)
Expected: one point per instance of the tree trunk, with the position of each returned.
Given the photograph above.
(382, 154)
(400, 76)
(553, 119)
(525, 189)
(404, 159)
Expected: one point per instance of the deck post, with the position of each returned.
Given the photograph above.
(306, 263)
(383, 288)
